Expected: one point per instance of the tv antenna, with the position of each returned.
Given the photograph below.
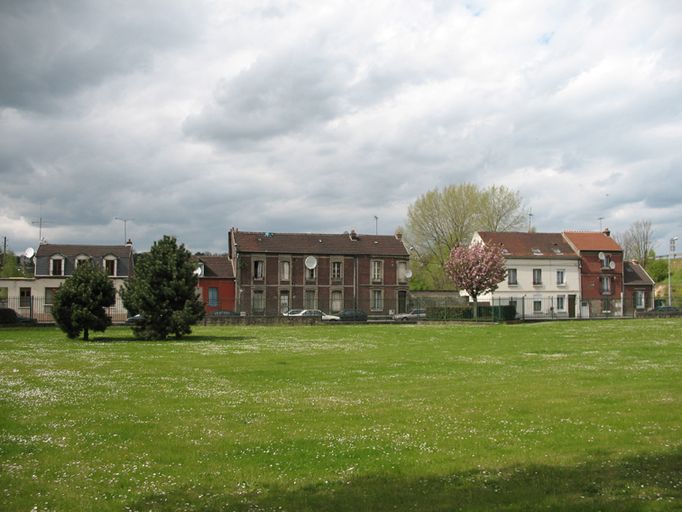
(376, 225)
(600, 223)
(530, 220)
(125, 227)
(40, 223)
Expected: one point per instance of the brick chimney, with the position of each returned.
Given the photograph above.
(607, 232)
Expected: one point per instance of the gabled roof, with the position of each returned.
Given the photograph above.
(516, 244)
(592, 241)
(216, 266)
(94, 251)
(319, 244)
(635, 275)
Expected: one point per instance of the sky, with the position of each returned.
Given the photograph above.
(188, 118)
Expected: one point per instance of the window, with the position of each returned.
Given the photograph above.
(377, 300)
(402, 271)
(24, 297)
(213, 297)
(606, 306)
(337, 301)
(310, 273)
(309, 299)
(284, 271)
(57, 266)
(560, 277)
(377, 270)
(258, 301)
(639, 299)
(49, 299)
(537, 276)
(336, 270)
(537, 306)
(511, 276)
(80, 260)
(283, 301)
(560, 303)
(110, 265)
(605, 285)
(606, 261)
(258, 269)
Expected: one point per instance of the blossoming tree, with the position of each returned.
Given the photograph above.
(477, 269)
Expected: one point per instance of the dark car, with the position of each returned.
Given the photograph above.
(133, 320)
(672, 310)
(10, 317)
(352, 315)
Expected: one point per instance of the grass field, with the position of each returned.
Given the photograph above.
(556, 416)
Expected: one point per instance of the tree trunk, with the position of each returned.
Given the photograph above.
(85, 334)
(475, 308)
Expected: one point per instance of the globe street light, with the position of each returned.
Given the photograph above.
(670, 284)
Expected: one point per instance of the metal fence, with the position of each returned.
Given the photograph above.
(38, 309)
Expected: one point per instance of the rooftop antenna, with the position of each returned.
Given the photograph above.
(125, 228)
(376, 225)
(40, 222)
(600, 223)
(530, 221)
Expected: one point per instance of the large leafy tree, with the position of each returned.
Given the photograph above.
(442, 219)
(80, 302)
(163, 291)
(476, 269)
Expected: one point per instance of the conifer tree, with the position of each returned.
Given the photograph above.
(80, 301)
(163, 291)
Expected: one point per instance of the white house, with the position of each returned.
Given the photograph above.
(543, 274)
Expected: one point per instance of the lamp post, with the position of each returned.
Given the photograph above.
(670, 284)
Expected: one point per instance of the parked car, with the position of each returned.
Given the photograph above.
(415, 314)
(668, 309)
(9, 316)
(224, 313)
(352, 315)
(135, 319)
(293, 312)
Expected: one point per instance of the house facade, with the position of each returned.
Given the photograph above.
(543, 274)
(601, 272)
(638, 289)
(276, 272)
(33, 297)
(216, 283)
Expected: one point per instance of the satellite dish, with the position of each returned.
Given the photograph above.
(30, 252)
(199, 271)
(310, 262)
(408, 274)
(612, 265)
(601, 255)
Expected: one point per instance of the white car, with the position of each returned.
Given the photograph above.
(415, 314)
(319, 314)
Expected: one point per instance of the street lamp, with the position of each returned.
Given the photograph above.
(670, 284)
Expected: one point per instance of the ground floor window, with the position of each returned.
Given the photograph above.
(309, 299)
(213, 297)
(258, 305)
(537, 306)
(377, 300)
(560, 303)
(283, 302)
(337, 301)
(24, 297)
(639, 299)
(49, 298)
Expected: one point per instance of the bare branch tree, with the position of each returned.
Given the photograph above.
(637, 241)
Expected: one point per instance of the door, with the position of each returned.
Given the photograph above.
(585, 309)
(571, 306)
(402, 302)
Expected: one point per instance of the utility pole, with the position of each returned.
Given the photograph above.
(671, 253)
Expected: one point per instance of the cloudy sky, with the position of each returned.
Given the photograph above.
(192, 117)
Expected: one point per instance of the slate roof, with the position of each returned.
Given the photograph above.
(216, 267)
(592, 241)
(95, 251)
(516, 244)
(318, 244)
(635, 275)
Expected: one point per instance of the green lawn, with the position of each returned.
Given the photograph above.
(556, 416)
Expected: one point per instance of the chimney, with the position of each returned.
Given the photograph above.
(398, 235)
(353, 235)
(607, 232)
(129, 243)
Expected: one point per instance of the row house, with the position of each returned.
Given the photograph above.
(216, 283)
(543, 274)
(639, 289)
(601, 272)
(276, 272)
(54, 263)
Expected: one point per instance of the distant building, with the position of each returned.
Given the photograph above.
(275, 272)
(216, 281)
(53, 264)
(639, 289)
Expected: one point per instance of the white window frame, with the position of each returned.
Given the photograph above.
(62, 262)
(401, 272)
(377, 271)
(561, 303)
(258, 269)
(307, 304)
(285, 270)
(538, 281)
(561, 277)
(605, 285)
(336, 301)
(512, 272)
(639, 297)
(377, 305)
(81, 258)
(284, 305)
(261, 307)
(337, 276)
(105, 260)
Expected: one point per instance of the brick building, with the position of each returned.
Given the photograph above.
(216, 281)
(275, 272)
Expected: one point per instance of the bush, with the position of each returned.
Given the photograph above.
(8, 316)
(449, 313)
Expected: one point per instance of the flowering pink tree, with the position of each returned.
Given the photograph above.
(477, 269)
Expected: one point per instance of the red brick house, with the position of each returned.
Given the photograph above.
(275, 272)
(601, 272)
(639, 289)
(216, 281)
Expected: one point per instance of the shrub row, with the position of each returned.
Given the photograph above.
(441, 313)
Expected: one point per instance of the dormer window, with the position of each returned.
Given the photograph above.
(110, 265)
(81, 259)
(536, 252)
(556, 250)
(57, 265)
